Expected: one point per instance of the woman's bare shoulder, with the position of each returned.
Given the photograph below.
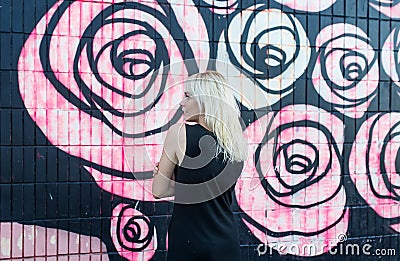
(176, 128)
(177, 132)
(173, 140)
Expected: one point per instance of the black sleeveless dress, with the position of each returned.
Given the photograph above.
(204, 230)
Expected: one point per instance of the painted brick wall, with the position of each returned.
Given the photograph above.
(323, 173)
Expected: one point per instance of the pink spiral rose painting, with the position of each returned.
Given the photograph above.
(83, 104)
(374, 165)
(293, 177)
(90, 87)
(346, 73)
(274, 66)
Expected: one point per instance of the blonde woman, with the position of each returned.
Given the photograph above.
(200, 163)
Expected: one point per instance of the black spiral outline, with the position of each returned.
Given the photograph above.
(161, 51)
(390, 187)
(270, 71)
(312, 165)
(146, 240)
(270, 192)
(322, 54)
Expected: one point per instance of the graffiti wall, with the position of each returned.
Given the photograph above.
(323, 172)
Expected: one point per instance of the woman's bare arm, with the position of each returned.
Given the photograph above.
(171, 189)
(163, 180)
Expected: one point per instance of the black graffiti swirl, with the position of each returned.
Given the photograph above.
(131, 231)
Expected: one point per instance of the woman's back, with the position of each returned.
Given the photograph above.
(204, 230)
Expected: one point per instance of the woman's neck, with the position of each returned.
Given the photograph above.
(201, 122)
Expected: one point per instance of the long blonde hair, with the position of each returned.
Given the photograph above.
(221, 113)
